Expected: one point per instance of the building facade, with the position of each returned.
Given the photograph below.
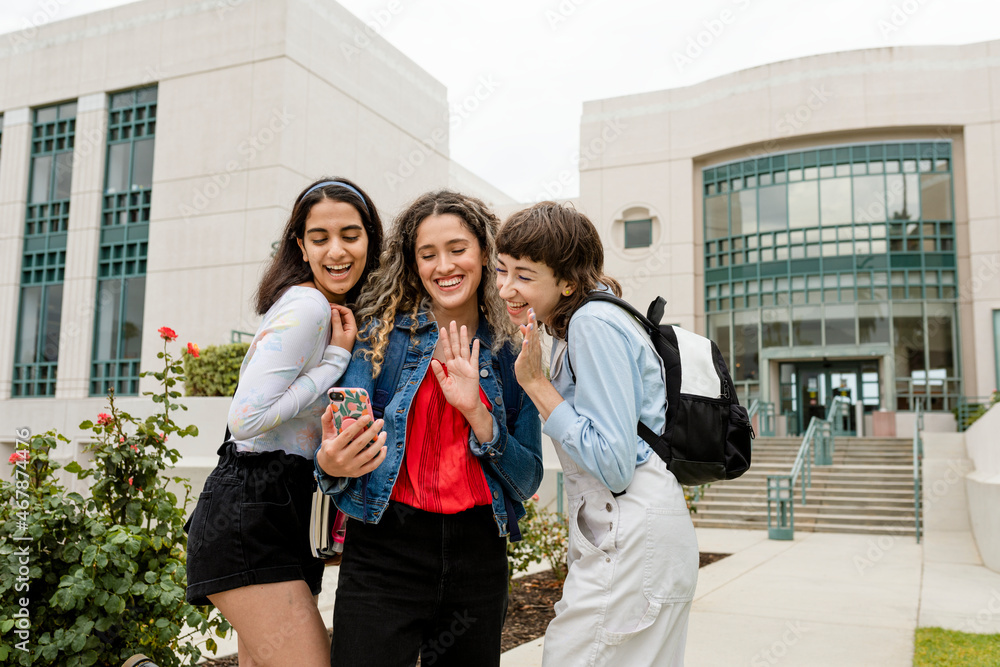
(149, 157)
(832, 222)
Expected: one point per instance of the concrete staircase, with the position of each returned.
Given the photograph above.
(868, 489)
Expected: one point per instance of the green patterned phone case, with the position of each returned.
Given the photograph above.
(349, 406)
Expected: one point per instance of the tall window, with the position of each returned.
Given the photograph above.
(121, 270)
(43, 263)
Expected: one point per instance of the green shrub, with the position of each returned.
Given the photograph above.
(544, 536)
(216, 371)
(94, 580)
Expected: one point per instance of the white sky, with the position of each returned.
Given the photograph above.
(545, 57)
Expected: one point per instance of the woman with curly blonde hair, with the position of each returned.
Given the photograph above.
(424, 568)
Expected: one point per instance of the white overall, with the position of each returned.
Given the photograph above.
(633, 565)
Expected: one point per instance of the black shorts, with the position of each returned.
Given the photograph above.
(251, 525)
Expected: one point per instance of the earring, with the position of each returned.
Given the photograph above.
(568, 291)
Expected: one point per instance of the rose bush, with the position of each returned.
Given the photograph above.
(106, 575)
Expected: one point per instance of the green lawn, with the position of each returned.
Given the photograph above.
(947, 648)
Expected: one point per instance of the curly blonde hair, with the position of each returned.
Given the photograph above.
(395, 288)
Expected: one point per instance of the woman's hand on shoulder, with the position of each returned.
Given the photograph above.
(343, 328)
(355, 451)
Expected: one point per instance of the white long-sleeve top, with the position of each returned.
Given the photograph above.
(285, 375)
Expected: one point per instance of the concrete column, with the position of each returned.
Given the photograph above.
(80, 286)
(14, 158)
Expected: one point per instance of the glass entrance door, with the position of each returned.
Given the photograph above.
(808, 387)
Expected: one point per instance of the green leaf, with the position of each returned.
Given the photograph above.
(86, 425)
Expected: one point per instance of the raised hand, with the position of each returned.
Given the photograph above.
(528, 365)
(460, 383)
(355, 451)
(343, 328)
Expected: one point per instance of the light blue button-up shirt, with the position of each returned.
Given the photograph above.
(619, 381)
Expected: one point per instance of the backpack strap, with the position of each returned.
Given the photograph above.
(651, 328)
(654, 440)
(392, 368)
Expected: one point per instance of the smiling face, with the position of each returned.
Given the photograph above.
(336, 245)
(524, 284)
(449, 262)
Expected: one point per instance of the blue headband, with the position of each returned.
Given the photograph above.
(343, 185)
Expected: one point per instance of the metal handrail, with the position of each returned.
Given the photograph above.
(781, 488)
(764, 411)
(918, 455)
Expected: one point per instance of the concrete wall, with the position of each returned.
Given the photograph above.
(255, 100)
(983, 485)
(646, 151)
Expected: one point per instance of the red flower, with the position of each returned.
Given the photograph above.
(167, 334)
(534, 497)
(17, 457)
(193, 350)
(104, 419)
(130, 481)
(121, 438)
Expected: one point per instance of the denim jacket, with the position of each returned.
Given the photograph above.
(512, 462)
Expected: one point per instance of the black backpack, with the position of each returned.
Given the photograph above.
(708, 433)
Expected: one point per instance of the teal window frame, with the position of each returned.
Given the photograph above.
(43, 259)
(123, 248)
(648, 237)
(871, 257)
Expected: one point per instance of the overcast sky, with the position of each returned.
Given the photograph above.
(534, 62)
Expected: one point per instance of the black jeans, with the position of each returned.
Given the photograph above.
(419, 581)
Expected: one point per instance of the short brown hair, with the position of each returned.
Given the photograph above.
(567, 242)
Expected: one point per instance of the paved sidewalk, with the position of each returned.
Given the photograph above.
(822, 599)
(827, 599)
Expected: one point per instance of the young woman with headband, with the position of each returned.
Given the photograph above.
(248, 540)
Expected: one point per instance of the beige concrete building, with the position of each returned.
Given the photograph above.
(150, 155)
(833, 222)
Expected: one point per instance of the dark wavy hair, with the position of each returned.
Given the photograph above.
(396, 288)
(287, 268)
(566, 241)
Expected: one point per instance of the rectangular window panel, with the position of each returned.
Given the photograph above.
(135, 298)
(835, 201)
(108, 314)
(142, 165)
(940, 342)
(31, 314)
(774, 327)
(803, 204)
(746, 344)
(807, 327)
(908, 338)
(869, 199)
(935, 196)
(717, 216)
(873, 322)
(773, 208)
(719, 331)
(53, 317)
(839, 324)
(64, 174)
(744, 207)
(41, 175)
(118, 168)
(902, 197)
(638, 233)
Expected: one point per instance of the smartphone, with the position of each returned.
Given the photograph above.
(349, 405)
